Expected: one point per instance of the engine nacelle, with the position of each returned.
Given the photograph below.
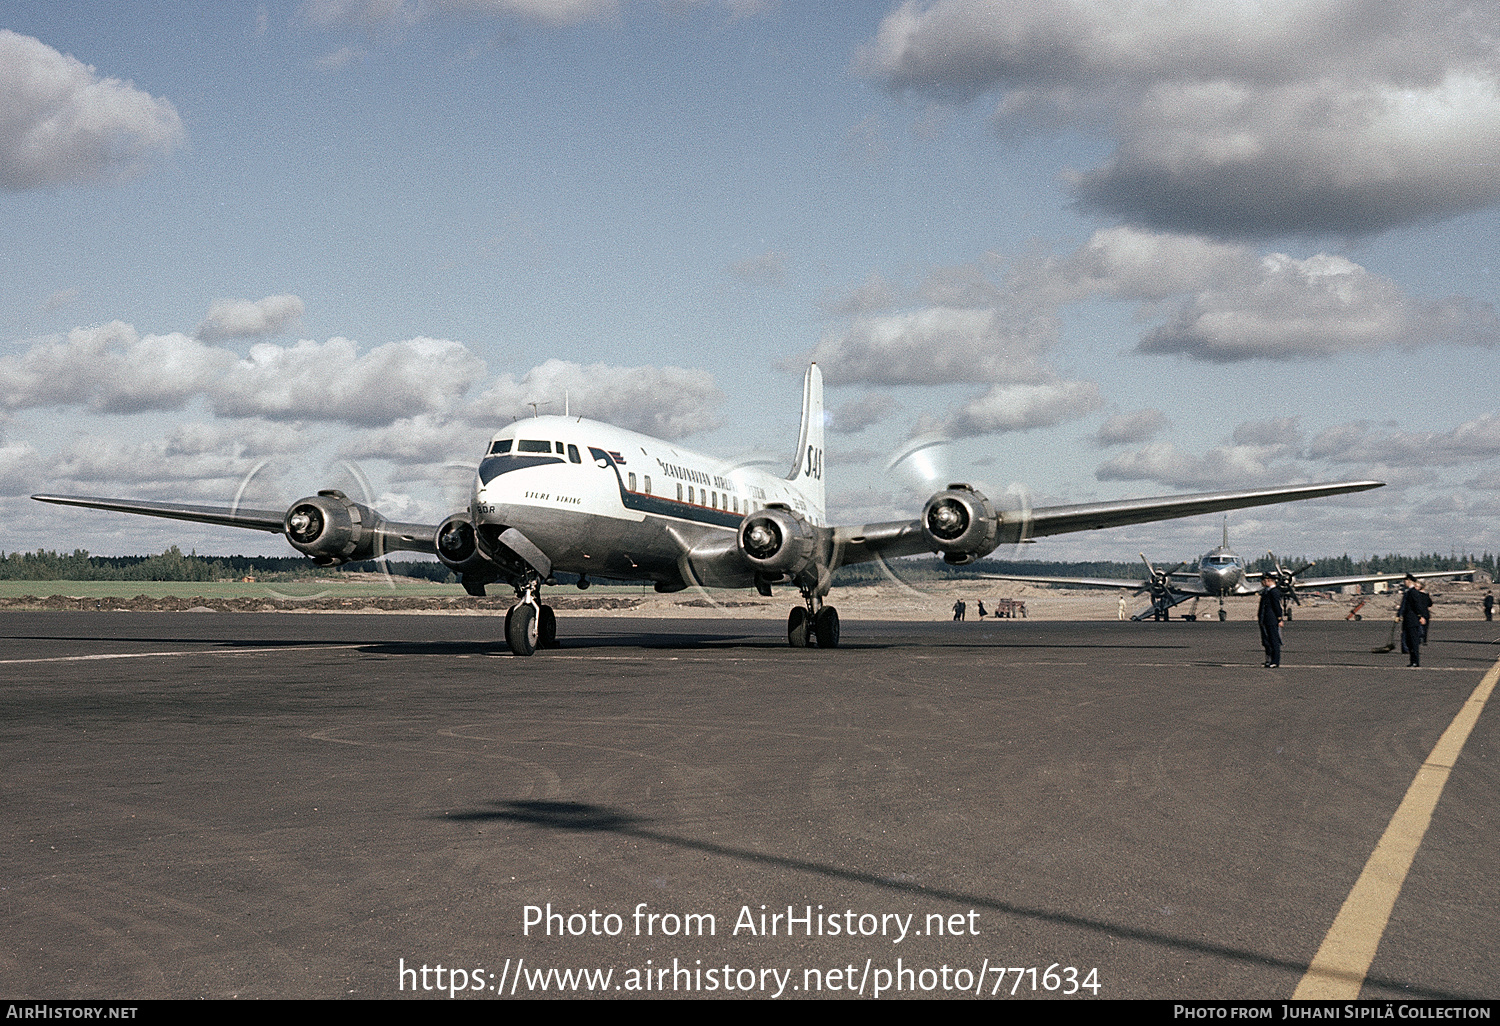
(333, 529)
(458, 545)
(776, 541)
(960, 523)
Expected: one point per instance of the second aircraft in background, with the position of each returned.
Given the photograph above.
(1220, 573)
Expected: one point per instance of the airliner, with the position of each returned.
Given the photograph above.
(1221, 573)
(571, 495)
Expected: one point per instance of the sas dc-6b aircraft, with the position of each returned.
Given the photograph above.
(1220, 573)
(565, 494)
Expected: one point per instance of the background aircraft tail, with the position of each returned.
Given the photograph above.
(806, 474)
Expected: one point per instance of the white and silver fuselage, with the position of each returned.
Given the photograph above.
(612, 503)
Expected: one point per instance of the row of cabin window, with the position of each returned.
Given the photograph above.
(725, 502)
(729, 503)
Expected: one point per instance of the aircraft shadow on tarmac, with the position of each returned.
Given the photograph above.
(583, 817)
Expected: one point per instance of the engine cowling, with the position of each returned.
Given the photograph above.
(776, 540)
(333, 529)
(458, 545)
(960, 523)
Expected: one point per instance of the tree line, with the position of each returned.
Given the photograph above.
(174, 565)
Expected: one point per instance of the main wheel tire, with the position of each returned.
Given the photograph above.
(1223, 616)
(546, 628)
(798, 628)
(520, 629)
(826, 627)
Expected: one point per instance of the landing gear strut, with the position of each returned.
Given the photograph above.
(813, 623)
(529, 625)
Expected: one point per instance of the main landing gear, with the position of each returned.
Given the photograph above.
(529, 625)
(813, 623)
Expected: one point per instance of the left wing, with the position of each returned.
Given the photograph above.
(963, 526)
(1182, 585)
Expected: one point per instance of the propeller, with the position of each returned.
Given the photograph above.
(1159, 586)
(1286, 580)
(927, 464)
(267, 479)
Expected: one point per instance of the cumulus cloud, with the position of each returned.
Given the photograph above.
(1224, 302)
(241, 318)
(414, 441)
(1131, 428)
(332, 381)
(1321, 306)
(111, 369)
(21, 468)
(61, 124)
(1244, 465)
(1357, 442)
(1023, 407)
(938, 345)
(667, 402)
(875, 293)
(1341, 116)
(114, 369)
(201, 459)
(857, 414)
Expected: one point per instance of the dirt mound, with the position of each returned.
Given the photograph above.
(275, 604)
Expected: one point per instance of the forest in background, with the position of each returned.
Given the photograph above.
(174, 565)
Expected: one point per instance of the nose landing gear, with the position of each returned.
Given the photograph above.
(813, 624)
(529, 625)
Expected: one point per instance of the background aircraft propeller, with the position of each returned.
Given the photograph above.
(1286, 579)
(1159, 584)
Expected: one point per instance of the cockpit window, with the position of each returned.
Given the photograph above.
(502, 445)
(573, 454)
(527, 445)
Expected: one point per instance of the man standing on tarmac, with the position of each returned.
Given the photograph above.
(1271, 614)
(1414, 613)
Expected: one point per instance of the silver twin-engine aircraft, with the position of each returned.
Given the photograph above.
(570, 495)
(1221, 573)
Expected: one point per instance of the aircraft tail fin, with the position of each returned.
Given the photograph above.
(807, 467)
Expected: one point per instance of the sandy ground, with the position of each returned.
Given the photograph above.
(893, 602)
(1458, 600)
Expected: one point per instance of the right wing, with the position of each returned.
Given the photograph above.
(1325, 583)
(906, 538)
(375, 534)
(271, 520)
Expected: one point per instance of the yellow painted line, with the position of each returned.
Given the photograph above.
(1338, 969)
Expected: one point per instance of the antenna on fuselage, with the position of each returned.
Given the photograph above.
(534, 407)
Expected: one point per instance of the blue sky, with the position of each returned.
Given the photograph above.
(268, 248)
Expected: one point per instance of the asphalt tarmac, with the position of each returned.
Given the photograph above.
(322, 806)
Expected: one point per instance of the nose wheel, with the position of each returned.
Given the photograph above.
(805, 628)
(529, 625)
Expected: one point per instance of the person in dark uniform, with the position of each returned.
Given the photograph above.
(1271, 614)
(1489, 605)
(958, 609)
(1415, 607)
